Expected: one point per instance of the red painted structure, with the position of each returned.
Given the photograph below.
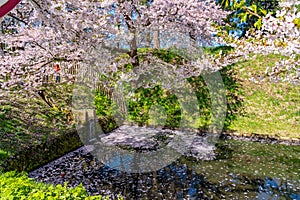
(8, 6)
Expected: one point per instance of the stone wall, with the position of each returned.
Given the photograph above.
(54, 147)
(34, 156)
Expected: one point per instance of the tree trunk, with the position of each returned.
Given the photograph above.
(156, 38)
(192, 38)
(148, 39)
(133, 49)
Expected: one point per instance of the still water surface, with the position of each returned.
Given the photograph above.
(240, 170)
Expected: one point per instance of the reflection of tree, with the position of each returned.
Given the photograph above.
(177, 181)
(154, 185)
(180, 180)
(173, 182)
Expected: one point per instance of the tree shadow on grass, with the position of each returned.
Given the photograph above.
(234, 97)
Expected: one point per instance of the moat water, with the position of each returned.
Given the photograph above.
(235, 170)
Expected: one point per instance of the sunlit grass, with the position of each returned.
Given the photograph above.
(270, 108)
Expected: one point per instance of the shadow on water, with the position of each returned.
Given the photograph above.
(240, 171)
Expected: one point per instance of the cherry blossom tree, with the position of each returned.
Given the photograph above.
(59, 31)
(136, 20)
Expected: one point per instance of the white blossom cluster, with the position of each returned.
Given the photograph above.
(41, 33)
(45, 33)
(280, 34)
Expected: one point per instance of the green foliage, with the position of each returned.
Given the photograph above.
(168, 56)
(139, 106)
(297, 22)
(158, 106)
(145, 98)
(219, 50)
(18, 186)
(204, 101)
(249, 12)
(104, 105)
(106, 111)
(3, 154)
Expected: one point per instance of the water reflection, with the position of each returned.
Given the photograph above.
(275, 189)
(180, 180)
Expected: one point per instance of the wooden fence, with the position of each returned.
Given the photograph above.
(89, 76)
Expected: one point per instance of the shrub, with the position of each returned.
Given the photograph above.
(18, 186)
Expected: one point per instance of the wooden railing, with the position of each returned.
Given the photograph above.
(89, 76)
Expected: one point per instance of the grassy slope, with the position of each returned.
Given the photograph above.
(27, 121)
(270, 108)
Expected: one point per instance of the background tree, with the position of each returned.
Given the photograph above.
(52, 31)
(246, 14)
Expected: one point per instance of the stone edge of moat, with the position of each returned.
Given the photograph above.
(260, 138)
